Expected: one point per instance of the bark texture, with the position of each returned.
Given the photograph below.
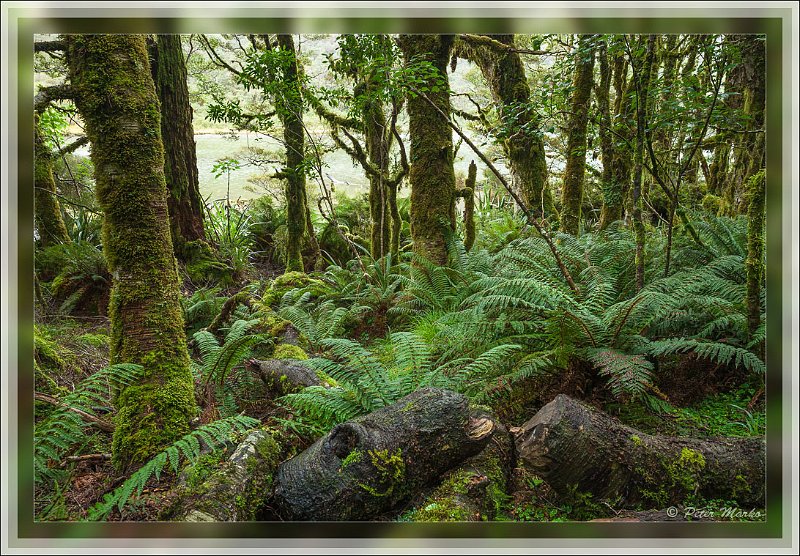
(572, 193)
(116, 96)
(431, 174)
(284, 375)
(574, 446)
(367, 466)
(180, 157)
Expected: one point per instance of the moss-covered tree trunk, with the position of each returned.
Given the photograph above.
(572, 193)
(642, 91)
(616, 189)
(47, 209)
(754, 264)
(289, 105)
(116, 97)
(522, 141)
(432, 177)
(378, 143)
(180, 158)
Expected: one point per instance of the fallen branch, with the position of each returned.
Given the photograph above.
(91, 419)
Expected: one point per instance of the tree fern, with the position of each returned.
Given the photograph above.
(189, 447)
(718, 352)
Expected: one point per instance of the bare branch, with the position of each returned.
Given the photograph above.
(49, 46)
(91, 419)
(46, 95)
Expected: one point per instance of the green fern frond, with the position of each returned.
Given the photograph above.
(714, 351)
(214, 435)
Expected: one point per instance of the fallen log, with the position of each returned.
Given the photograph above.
(238, 490)
(577, 448)
(475, 490)
(365, 467)
(283, 375)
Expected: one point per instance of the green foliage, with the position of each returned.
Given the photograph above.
(56, 435)
(228, 227)
(219, 361)
(81, 277)
(201, 307)
(189, 447)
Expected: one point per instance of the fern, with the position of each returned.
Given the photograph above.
(55, 436)
(189, 447)
(718, 352)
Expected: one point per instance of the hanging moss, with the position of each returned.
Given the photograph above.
(116, 97)
(572, 193)
(431, 153)
(47, 209)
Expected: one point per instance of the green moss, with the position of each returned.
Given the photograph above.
(290, 280)
(636, 440)
(391, 470)
(203, 468)
(288, 351)
(94, 340)
(353, 457)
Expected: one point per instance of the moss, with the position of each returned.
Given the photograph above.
(94, 340)
(50, 359)
(391, 471)
(203, 468)
(637, 441)
(289, 281)
(469, 207)
(353, 457)
(754, 263)
(47, 210)
(288, 351)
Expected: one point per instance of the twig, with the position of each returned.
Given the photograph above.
(86, 457)
(91, 419)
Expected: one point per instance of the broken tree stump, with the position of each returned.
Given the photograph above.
(573, 446)
(364, 467)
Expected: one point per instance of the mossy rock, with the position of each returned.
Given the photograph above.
(288, 351)
(287, 282)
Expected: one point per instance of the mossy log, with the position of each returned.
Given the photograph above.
(475, 489)
(238, 490)
(283, 375)
(573, 446)
(365, 467)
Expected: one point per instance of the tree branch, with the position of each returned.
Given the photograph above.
(76, 144)
(49, 46)
(46, 95)
(483, 40)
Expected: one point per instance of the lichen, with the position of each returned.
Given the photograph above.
(391, 471)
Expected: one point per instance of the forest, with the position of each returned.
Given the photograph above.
(399, 278)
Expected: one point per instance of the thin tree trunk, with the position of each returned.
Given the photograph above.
(290, 110)
(47, 209)
(642, 85)
(432, 177)
(180, 158)
(572, 193)
(117, 100)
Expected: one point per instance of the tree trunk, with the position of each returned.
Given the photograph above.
(754, 264)
(469, 206)
(572, 194)
(376, 135)
(432, 177)
(116, 96)
(573, 446)
(642, 90)
(367, 466)
(49, 222)
(615, 191)
(504, 72)
(283, 376)
(475, 490)
(180, 158)
(290, 109)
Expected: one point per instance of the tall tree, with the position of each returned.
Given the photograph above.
(432, 177)
(180, 158)
(520, 134)
(572, 193)
(116, 97)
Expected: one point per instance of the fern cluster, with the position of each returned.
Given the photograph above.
(56, 435)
